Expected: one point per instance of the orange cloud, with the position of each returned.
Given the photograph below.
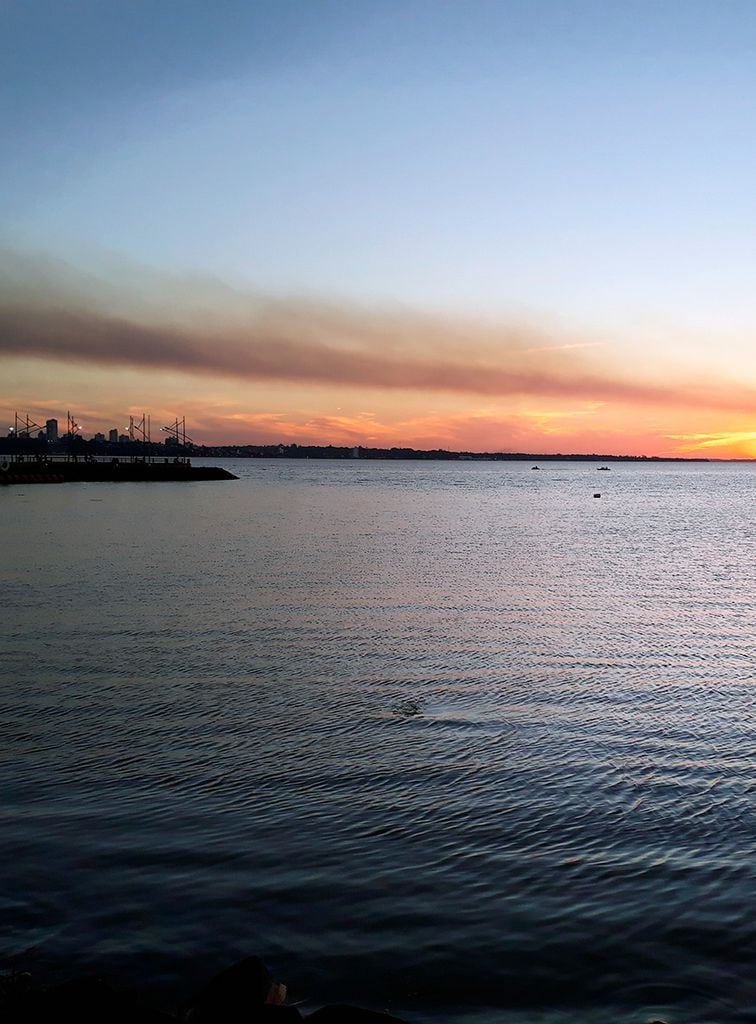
(733, 444)
(535, 432)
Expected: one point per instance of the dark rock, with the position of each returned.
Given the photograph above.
(84, 1001)
(245, 992)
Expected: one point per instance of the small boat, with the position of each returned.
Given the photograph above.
(603, 469)
(535, 467)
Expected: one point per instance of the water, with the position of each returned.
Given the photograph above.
(455, 740)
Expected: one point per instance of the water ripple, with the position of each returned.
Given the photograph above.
(440, 738)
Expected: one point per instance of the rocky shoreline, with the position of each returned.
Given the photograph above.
(245, 993)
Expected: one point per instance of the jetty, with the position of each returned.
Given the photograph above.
(45, 457)
(25, 469)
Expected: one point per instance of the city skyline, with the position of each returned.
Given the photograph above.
(139, 431)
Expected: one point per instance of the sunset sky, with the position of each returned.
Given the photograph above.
(474, 224)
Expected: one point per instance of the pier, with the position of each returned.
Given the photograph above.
(31, 454)
(43, 469)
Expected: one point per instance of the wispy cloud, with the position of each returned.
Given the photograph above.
(50, 311)
(742, 442)
(482, 430)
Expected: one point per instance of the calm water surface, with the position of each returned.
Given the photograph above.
(455, 740)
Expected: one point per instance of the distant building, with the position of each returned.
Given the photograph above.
(98, 437)
(113, 436)
(123, 438)
(51, 430)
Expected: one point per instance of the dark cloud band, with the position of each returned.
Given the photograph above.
(306, 342)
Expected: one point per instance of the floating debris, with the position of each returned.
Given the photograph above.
(408, 708)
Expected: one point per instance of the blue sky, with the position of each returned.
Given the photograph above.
(579, 158)
(585, 164)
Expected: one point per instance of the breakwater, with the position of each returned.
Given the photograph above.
(47, 471)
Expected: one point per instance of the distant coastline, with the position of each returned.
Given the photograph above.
(77, 445)
(294, 451)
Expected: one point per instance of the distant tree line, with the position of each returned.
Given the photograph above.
(79, 446)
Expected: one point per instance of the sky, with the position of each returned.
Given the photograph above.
(470, 224)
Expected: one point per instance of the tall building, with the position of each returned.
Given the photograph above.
(113, 436)
(51, 430)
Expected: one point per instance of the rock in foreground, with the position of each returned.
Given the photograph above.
(245, 993)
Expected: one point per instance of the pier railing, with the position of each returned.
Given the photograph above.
(48, 459)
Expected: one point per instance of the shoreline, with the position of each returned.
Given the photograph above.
(244, 992)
